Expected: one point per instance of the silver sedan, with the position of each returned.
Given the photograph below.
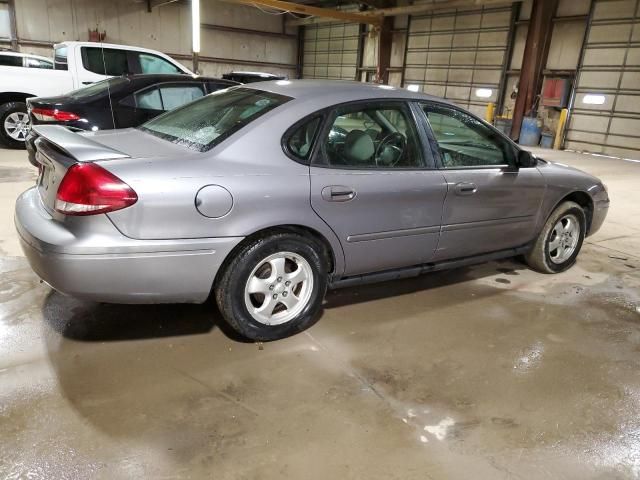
(264, 196)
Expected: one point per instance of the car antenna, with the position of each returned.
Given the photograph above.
(104, 69)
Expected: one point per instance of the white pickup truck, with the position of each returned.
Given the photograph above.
(76, 64)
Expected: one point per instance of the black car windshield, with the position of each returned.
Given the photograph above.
(98, 88)
(204, 123)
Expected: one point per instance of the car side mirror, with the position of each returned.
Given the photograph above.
(526, 159)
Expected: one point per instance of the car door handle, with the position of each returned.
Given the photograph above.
(338, 193)
(465, 188)
(87, 83)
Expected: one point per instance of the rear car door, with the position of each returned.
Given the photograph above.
(373, 183)
(491, 204)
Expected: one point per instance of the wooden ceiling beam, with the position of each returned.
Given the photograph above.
(329, 14)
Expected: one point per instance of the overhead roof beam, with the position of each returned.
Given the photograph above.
(406, 10)
(329, 14)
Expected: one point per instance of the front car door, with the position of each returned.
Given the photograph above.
(492, 204)
(373, 183)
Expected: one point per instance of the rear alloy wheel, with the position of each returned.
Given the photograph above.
(273, 287)
(14, 124)
(559, 243)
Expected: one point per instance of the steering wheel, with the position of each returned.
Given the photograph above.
(395, 141)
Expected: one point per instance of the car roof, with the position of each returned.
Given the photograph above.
(176, 77)
(338, 91)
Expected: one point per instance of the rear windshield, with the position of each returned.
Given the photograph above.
(204, 123)
(98, 88)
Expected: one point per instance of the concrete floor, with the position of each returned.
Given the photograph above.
(486, 373)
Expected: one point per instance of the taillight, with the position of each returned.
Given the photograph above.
(53, 115)
(88, 189)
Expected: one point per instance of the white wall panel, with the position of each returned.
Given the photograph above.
(611, 67)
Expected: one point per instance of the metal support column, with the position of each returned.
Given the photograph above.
(536, 51)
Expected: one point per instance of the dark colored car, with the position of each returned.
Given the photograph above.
(121, 102)
(251, 77)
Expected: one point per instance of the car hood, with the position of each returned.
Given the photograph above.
(561, 175)
(136, 143)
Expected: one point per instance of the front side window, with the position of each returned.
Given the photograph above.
(370, 136)
(204, 123)
(465, 141)
(153, 64)
(37, 63)
(105, 61)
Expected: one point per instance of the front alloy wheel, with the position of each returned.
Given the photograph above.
(558, 244)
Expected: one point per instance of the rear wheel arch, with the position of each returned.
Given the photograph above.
(304, 231)
(8, 97)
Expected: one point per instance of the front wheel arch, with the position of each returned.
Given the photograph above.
(580, 197)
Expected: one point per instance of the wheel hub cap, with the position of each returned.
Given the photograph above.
(17, 125)
(563, 239)
(278, 288)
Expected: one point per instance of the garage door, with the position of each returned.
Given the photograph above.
(606, 113)
(459, 55)
(330, 51)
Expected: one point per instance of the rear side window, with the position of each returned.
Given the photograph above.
(165, 97)
(175, 96)
(149, 99)
(10, 61)
(105, 61)
(203, 124)
(60, 59)
(98, 88)
(37, 63)
(300, 141)
(153, 64)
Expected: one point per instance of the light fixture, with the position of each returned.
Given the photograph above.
(195, 25)
(484, 92)
(593, 99)
(413, 88)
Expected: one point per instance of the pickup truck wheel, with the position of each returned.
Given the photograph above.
(273, 287)
(559, 243)
(14, 124)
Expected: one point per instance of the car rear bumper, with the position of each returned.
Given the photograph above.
(114, 268)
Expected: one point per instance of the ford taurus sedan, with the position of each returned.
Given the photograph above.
(264, 196)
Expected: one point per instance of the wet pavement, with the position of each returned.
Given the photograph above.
(487, 372)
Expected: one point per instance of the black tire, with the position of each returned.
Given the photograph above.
(230, 286)
(539, 257)
(6, 110)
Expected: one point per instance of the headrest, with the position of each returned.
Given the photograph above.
(358, 146)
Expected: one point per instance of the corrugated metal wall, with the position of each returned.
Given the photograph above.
(610, 68)
(453, 54)
(331, 51)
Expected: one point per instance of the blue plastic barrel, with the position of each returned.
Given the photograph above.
(530, 132)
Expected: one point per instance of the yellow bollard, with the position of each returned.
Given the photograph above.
(561, 123)
(490, 113)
